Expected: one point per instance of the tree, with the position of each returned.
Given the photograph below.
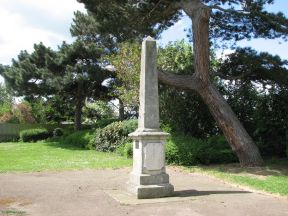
(82, 75)
(258, 94)
(97, 111)
(6, 100)
(74, 73)
(183, 110)
(127, 75)
(225, 19)
(30, 73)
(23, 113)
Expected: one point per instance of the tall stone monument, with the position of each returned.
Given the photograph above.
(149, 178)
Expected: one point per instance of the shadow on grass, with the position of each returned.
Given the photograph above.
(61, 144)
(188, 193)
(277, 167)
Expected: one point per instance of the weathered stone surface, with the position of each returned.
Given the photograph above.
(153, 191)
(149, 102)
(154, 156)
(148, 178)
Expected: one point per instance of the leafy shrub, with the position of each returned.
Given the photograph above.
(112, 136)
(8, 138)
(57, 132)
(79, 139)
(129, 126)
(165, 127)
(186, 150)
(125, 150)
(104, 122)
(220, 151)
(23, 112)
(34, 135)
(8, 118)
(128, 150)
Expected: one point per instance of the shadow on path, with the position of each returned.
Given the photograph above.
(188, 193)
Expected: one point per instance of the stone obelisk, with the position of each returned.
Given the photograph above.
(149, 178)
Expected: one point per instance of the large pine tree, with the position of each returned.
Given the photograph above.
(74, 72)
(224, 19)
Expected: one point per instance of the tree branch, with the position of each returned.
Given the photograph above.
(189, 82)
(242, 12)
(222, 76)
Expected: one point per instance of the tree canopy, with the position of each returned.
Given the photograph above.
(229, 19)
(74, 73)
(211, 19)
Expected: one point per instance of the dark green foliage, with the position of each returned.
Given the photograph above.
(258, 95)
(187, 150)
(79, 139)
(5, 100)
(54, 109)
(104, 122)
(112, 136)
(126, 150)
(8, 138)
(34, 135)
(129, 126)
(182, 110)
(249, 65)
(70, 74)
(230, 19)
(57, 132)
(131, 19)
(85, 28)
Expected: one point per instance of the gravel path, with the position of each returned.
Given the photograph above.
(84, 193)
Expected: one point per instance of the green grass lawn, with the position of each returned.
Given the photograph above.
(40, 156)
(272, 178)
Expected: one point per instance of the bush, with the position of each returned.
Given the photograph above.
(220, 151)
(129, 126)
(57, 132)
(112, 136)
(187, 151)
(8, 138)
(79, 139)
(34, 135)
(104, 122)
(125, 150)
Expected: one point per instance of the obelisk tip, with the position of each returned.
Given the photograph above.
(149, 38)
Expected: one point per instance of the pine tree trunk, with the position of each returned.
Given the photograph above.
(78, 108)
(121, 110)
(78, 116)
(236, 135)
(239, 140)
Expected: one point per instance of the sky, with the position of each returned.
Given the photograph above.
(25, 22)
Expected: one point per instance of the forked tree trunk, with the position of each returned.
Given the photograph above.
(239, 140)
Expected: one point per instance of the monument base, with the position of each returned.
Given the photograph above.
(151, 191)
(149, 178)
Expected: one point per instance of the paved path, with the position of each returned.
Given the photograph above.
(84, 193)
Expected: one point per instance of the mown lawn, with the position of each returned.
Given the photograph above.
(273, 178)
(40, 156)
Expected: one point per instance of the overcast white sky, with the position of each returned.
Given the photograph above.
(25, 22)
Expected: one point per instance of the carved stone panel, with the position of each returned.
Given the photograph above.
(154, 156)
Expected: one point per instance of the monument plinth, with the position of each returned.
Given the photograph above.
(149, 178)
